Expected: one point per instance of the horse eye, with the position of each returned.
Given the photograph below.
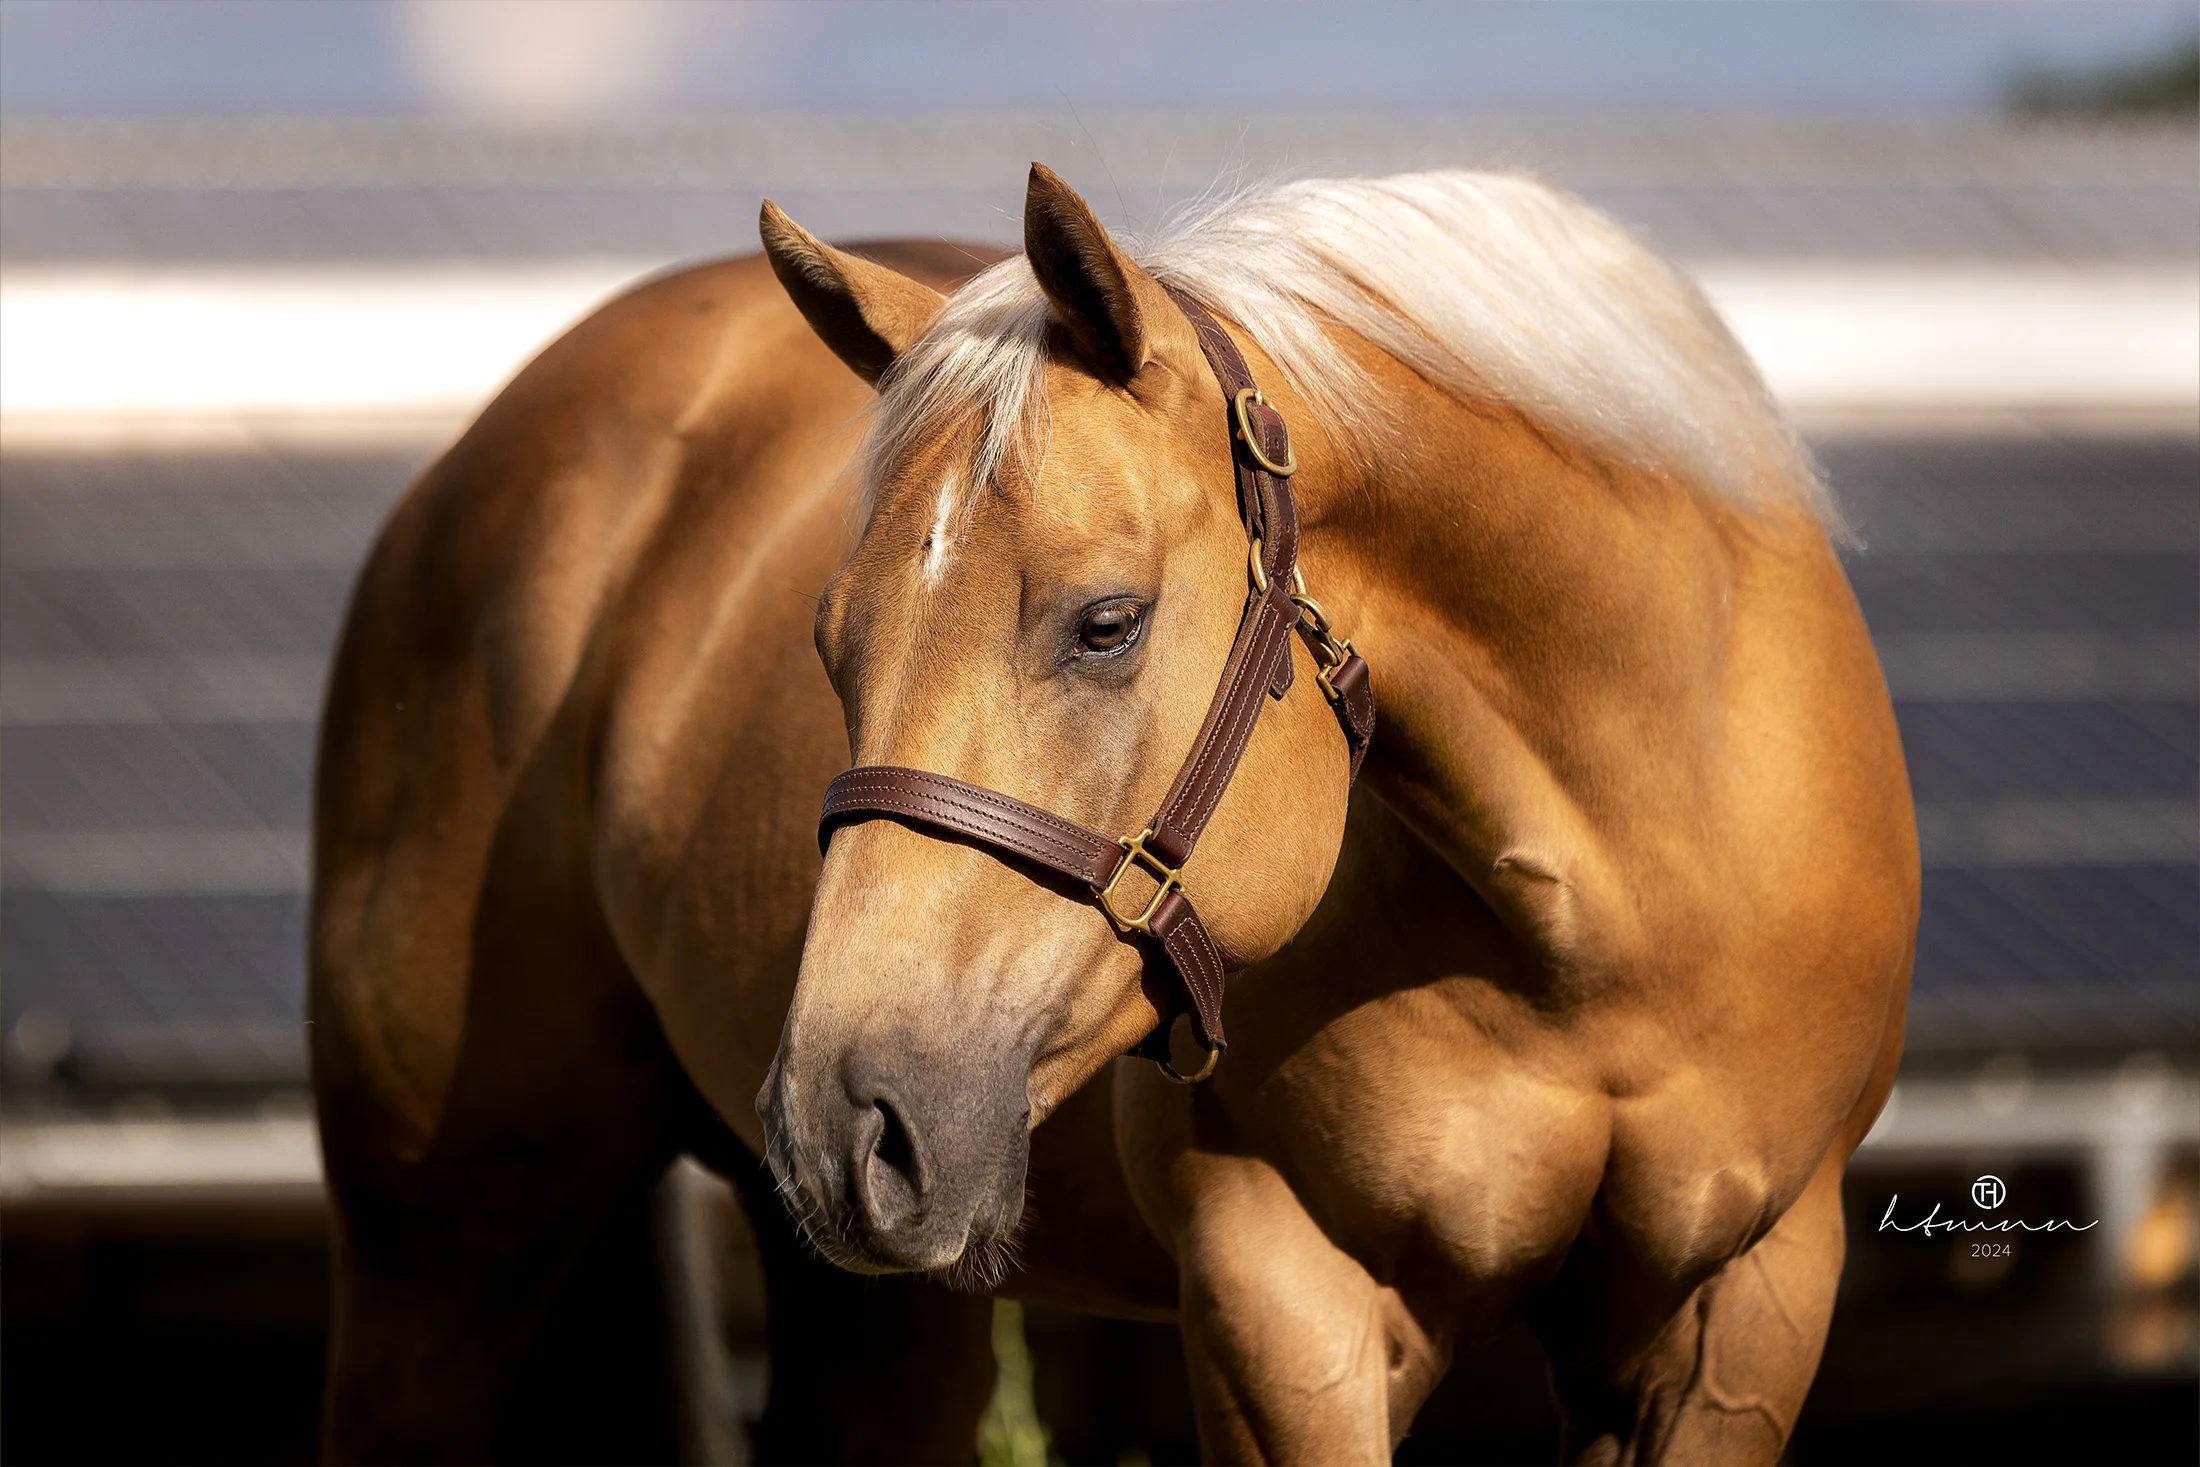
(1108, 628)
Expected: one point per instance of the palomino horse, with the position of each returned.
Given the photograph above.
(1571, 1010)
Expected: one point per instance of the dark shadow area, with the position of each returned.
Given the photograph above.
(195, 1335)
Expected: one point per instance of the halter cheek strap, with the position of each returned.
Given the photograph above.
(1259, 667)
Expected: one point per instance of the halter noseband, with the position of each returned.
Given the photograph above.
(1259, 663)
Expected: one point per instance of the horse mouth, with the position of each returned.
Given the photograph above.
(978, 1260)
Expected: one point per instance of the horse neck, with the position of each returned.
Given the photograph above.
(1545, 629)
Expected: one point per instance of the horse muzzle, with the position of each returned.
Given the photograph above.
(896, 1161)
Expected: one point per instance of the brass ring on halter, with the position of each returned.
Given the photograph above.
(1177, 1077)
(1260, 572)
(1290, 464)
(1316, 615)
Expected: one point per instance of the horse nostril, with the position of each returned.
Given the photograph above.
(894, 1170)
(893, 1146)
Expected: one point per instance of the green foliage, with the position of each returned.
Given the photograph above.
(1010, 1433)
(2168, 83)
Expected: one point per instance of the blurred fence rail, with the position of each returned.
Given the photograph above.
(174, 354)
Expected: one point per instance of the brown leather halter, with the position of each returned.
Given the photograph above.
(1259, 662)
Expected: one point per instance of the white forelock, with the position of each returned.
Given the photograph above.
(1492, 284)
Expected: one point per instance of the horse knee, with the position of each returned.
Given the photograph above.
(1296, 1353)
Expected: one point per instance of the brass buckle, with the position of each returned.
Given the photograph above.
(1242, 402)
(1330, 650)
(1136, 854)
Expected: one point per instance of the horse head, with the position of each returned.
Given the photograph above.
(1049, 576)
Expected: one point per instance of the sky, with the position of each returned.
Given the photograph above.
(596, 59)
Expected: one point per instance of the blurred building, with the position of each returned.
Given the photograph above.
(227, 345)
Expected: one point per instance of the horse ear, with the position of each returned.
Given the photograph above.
(1091, 282)
(865, 312)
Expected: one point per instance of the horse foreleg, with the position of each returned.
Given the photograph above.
(563, 1104)
(1723, 1379)
(447, 1267)
(440, 1298)
(1296, 1353)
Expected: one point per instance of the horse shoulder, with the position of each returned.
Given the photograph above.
(714, 733)
(1766, 1017)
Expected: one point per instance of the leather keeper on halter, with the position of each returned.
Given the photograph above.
(1258, 668)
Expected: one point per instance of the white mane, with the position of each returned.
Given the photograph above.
(1491, 284)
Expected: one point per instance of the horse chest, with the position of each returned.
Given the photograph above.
(1430, 1147)
(1409, 1132)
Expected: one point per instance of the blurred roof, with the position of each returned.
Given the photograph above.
(308, 188)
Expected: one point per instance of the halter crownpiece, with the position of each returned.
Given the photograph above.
(1259, 667)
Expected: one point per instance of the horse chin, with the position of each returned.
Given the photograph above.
(985, 1257)
(984, 1264)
